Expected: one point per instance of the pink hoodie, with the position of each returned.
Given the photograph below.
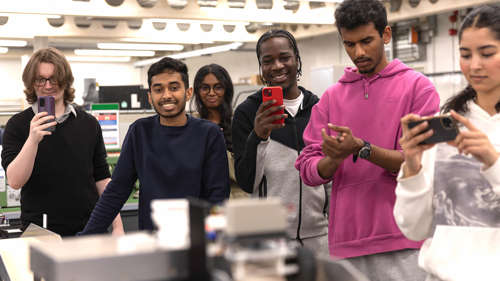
(361, 218)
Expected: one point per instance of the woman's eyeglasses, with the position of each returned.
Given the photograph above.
(217, 88)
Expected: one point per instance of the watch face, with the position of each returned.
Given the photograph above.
(364, 152)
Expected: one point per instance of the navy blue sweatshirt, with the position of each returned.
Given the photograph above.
(170, 162)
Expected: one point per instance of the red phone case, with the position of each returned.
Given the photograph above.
(274, 93)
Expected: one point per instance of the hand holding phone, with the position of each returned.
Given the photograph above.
(270, 115)
(274, 93)
(47, 104)
(444, 129)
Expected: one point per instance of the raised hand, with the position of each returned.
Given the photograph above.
(410, 140)
(475, 142)
(343, 145)
(38, 124)
(263, 123)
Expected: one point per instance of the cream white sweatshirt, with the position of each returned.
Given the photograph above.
(454, 203)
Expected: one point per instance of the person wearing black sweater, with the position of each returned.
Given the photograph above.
(265, 152)
(173, 155)
(61, 173)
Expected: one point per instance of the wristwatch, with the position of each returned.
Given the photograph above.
(364, 152)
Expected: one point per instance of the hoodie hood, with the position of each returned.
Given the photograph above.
(351, 74)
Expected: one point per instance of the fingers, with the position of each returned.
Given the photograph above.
(469, 135)
(467, 144)
(270, 119)
(271, 110)
(463, 120)
(38, 116)
(329, 145)
(414, 135)
(340, 129)
(466, 141)
(326, 137)
(329, 140)
(47, 125)
(266, 106)
(41, 119)
(409, 118)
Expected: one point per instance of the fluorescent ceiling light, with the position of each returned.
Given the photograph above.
(202, 21)
(97, 59)
(179, 40)
(31, 15)
(3, 50)
(13, 43)
(131, 46)
(53, 16)
(114, 53)
(142, 63)
(200, 52)
(327, 1)
(206, 51)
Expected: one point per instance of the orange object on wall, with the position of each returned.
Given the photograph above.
(413, 35)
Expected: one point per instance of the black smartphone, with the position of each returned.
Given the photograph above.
(47, 104)
(444, 129)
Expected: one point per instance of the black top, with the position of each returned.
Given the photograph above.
(67, 165)
(245, 141)
(170, 162)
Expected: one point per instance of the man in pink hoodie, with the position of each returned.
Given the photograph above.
(352, 139)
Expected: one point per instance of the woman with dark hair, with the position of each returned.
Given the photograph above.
(456, 185)
(213, 94)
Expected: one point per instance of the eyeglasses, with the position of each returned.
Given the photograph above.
(40, 82)
(218, 89)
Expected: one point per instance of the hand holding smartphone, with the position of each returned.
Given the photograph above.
(274, 93)
(47, 104)
(444, 128)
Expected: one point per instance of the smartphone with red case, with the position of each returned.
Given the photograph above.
(47, 104)
(274, 93)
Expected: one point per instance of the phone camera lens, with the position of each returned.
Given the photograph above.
(267, 92)
(42, 102)
(447, 122)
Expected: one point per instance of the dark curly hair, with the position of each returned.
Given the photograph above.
(483, 16)
(62, 73)
(225, 109)
(168, 64)
(351, 14)
(279, 33)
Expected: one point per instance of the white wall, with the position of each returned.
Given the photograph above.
(443, 56)
(12, 84)
(106, 74)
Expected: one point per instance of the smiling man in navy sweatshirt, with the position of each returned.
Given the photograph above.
(173, 155)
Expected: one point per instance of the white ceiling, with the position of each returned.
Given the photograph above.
(71, 24)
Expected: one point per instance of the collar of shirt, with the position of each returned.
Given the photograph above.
(293, 106)
(70, 109)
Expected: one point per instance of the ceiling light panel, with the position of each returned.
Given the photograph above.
(114, 53)
(195, 53)
(135, 46)
(13, 43)
(97, 59)
(206, 51)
